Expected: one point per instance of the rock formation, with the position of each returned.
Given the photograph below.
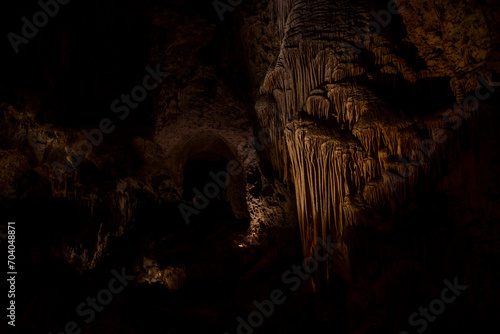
(339, 134)
(288, 123)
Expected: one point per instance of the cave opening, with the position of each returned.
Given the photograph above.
(205, 186)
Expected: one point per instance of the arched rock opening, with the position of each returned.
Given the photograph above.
(212, 178)
(205, 185)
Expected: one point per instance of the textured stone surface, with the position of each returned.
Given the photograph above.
(352, 95)
(321, 122)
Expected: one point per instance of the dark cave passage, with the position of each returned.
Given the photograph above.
(212, 178)
(205, 187)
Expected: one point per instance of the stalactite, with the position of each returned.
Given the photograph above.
(354, 153)
(280, 10)
(325, 168)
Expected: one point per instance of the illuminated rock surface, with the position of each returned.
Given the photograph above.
(363, 140)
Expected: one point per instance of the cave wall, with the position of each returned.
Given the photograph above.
(136, 172)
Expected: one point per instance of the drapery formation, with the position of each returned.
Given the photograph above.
(332, 102)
